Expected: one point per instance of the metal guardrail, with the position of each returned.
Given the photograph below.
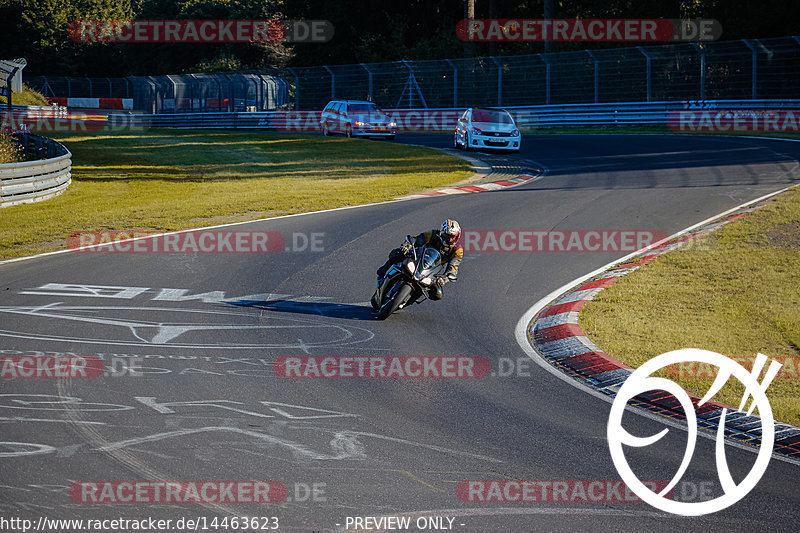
(633, 113)
(444, 120)
(34, 181)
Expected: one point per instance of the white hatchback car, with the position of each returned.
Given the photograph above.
(480, 128)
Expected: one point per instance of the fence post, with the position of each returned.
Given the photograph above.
(296, 88)
(411, 84)
(333, 81)
(154, 101)
(596, 76)
(260, 97)
(649, 70)
(455, 82)
(755, 64)
(8, 87)
(174, 93)
(369, 72)
(499, 82)
(47, 87)
(90, 87)
(193, 91)
(543, 57)
(702, 70)
(219, 91)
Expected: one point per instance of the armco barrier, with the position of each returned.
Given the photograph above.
(444, 120)
(34, 181)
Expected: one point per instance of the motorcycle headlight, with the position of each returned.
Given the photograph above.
(411, 266)
(426, 281)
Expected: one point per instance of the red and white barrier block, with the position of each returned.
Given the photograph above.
(94, 103)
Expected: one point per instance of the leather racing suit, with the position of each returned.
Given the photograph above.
(452, 255)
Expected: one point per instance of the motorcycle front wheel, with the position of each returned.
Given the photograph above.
(390, 306)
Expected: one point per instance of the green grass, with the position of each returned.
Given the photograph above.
(735, 292)
(166, 180)
(27, 97)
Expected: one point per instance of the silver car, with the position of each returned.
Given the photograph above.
(356, 118)
(480, 129)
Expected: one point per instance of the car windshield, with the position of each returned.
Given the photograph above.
(363, 108)
(495, 117)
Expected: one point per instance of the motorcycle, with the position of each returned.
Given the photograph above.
(408, 281)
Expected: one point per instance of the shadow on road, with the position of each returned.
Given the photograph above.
(327, 309)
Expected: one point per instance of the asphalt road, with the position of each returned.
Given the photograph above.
(199, 333)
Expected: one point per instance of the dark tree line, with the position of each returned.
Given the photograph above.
(365, 30)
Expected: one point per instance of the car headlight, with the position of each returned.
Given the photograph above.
(515, 133)
(426, 281)
(393, 124)
(411, 266)
(476, 130)
(359, 123)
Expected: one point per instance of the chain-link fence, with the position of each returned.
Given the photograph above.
(176, 93)
(755, 68)
(745, 69)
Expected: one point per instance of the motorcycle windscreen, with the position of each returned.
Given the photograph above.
(430, 259)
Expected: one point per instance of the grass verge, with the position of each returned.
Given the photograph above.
(734, 291)
(175, 179)
(27, 97)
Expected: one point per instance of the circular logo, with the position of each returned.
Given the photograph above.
(640, 381)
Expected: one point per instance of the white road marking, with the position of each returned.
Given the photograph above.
(343, 451)
(33, 449)
(25, 419)
(164, 332)
(521, 334)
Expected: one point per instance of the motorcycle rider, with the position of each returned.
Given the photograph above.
(446, 240)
